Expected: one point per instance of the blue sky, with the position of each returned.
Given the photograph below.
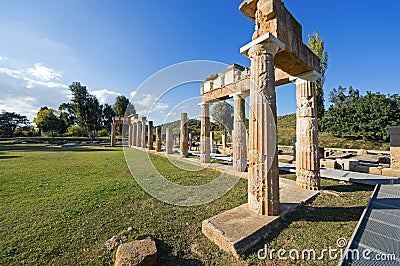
(112, 47)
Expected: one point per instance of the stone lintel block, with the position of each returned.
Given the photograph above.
(391, 172)
(348, 164)
(326, 163)
(362, 169)
(375, 170)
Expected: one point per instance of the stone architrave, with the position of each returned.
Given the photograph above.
(307, 154)
(184, 135)
(239, 142)
(150, 136)
(205, 133)
(158, 139)
(263, 180)
(395, 147)
(169, 142)
(143, 137)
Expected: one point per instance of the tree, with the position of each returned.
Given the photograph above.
(222, 112)
(9, 122)
(367, 117)
(47, 121)
(67, 115)
(317, 45)
(122, 106)
(108, 114)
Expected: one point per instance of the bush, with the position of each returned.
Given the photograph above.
(76, 131)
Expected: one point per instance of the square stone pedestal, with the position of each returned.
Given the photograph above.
(240, 229)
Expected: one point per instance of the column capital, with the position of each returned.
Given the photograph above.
(310, 76)
(266, 43)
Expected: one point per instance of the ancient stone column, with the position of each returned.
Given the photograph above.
(190, 141)
(184, 135)
(139, 134)
(239, 134)
(263, 180)
(158, 139)
(150, 136)
(205, 133)
(394, 147)
(129, 135)
(143, 138)
(134, 133)
(169, 143)
(212, 149)
(307, 154)
(113, 134)
(223, 141)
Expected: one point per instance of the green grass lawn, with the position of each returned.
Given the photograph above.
(59, 206)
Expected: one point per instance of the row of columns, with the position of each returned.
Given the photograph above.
(137, 134)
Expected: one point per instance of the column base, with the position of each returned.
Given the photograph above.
(308, 179)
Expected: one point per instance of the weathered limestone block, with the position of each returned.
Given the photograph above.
(184, 135)
(138, 252)
(169, 142)
(395, 147)
(391, 172)
(271, 16)
(158, 139)
(239, 135)
(330, 164)
(263, 180)
(150, 136)
(307, 153)
(205, 133)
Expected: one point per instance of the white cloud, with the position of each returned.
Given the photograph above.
(133, 93)
(44, 73)
(106, 96)
(25, 95)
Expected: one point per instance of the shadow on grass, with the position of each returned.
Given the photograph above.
(8, 157)
(166, 257)
(46, 148)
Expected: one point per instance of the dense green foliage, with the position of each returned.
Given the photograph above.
(47, 121)
(368, 117)
(222, 113)
(9, 122)
(317, 45)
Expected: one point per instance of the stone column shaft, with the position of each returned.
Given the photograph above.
(150, 136)
(158, 139)
(307, 154)
(263, 186)
(113, 134)
(169, 143)
(184, 135)
(205, 133)
(134, 134)
(143, 137)
(212, 149)
(223, 141)
(139, 134)
(130, 134)
(239, 135)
